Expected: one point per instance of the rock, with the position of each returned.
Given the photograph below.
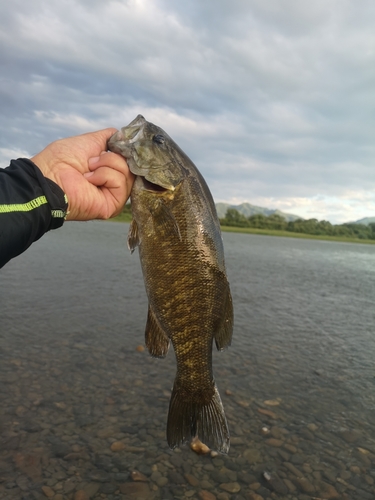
(277, 432)
(268, 413)
(289, 485)
(23, 483)
(192, 480)
(199, 447)
(293, 469)
(176, 477)
(69, 486)
(162, 481)
(363, 451)
(206, 495)
(107, 488)
(254, 496)
(29, 465)
(230, 487)
(82, 455)
(118, 446)
(274, 442)
(106, 433)
(271, 402)
(81, 495)
(329, 475)
(206, 485)
(255, 486)
(138, 476)
(48, 492)
(252, 455)
(327, 491)
(290, 448)
(305, 485)
(222, 496)
(135, 490)
(91, 489)
(350, 436)
(275, 483)
(312, 427)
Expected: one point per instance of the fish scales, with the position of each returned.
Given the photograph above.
(178, 234)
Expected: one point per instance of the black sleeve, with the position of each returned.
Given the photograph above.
(30, 205)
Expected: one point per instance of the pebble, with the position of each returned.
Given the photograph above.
(138, 476)
(231, 487)
(135, 490)
(118, 446)
(199, 447)
(272, 402)
(268, 413)
(81, 495)
(48, 492)
(162, 481)
(274, 442)
(192, 480)
(305, 485)
(312, 427)
(206, 495)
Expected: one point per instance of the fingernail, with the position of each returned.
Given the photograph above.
(88, 174)
(93, 160)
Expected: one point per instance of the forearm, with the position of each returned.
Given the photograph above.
(30, 205)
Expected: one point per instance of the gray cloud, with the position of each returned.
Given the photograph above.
(273, 100)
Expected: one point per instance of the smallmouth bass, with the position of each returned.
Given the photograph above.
(177, 231)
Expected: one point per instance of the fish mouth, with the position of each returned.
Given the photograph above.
(150, 186)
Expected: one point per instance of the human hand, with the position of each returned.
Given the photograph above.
(96, 182)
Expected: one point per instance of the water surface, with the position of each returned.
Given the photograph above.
(298, 382)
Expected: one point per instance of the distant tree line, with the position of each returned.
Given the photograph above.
(309, 226)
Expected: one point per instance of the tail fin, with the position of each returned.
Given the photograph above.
(188, 419)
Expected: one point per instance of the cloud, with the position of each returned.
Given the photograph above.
(272, 100)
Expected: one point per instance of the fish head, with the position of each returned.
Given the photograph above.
(149, 152)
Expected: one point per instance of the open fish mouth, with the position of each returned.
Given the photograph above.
(150, 186)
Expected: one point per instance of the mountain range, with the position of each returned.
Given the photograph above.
(248, 209)
(365, 220)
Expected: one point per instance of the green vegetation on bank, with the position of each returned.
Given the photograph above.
(275, 225)
(125, 215)
(289, 234)
(308, 228)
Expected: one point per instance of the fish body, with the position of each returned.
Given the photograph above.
(176, 228)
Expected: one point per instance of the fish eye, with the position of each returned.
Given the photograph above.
(159, 139)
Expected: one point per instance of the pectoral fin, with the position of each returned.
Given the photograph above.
(156, 340)
(223, 336)
(133, 236)
(163, 216)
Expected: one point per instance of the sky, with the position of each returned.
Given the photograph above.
(273, 100)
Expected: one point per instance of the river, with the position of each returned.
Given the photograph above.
(82, 406)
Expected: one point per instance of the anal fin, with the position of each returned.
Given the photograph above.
(157, 341)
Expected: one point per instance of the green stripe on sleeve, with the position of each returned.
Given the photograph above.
(24, 207)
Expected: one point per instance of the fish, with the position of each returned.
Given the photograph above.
(177, 232)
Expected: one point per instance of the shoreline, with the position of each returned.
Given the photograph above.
(271, 232)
